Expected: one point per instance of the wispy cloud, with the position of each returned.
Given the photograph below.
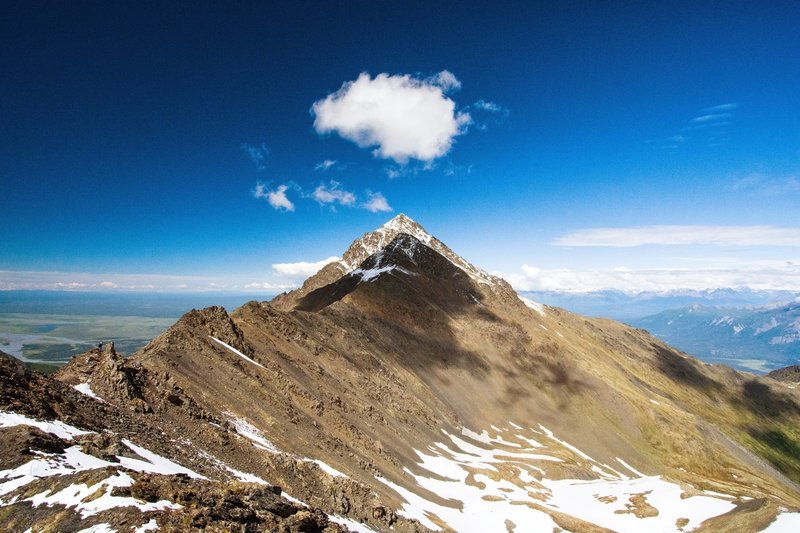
(322, 166)
(276, 198)
(332, 193)
(767, 185)
(301, 269)
(714, 117)
(258, 154)
(376, 203)
(400, 116)
(682, 235)
(721, 108)
(446, 80)
(93, 281)
(776, 278)
(485, 113)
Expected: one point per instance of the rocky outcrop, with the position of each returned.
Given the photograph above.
(787, 373)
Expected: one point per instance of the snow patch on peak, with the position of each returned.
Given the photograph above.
(403, 224)
(372, 273)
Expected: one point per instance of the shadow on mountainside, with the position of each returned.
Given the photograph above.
(684, 370)
(394, 316)
(762, 400)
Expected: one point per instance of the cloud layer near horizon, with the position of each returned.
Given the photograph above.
(657, 280)
(401, 116)
(682, 235)
(301, 269)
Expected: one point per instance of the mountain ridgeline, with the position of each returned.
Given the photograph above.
(399, 388)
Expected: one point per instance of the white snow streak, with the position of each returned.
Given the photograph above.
(237, 352)
(536, 306)
(154, 463)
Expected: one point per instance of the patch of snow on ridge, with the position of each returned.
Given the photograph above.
(536, 306)
(635, 472)
(582, 499)
(46, 465)
(152, 525)
(481, 486)
(327, 468)
(351, 524)
(56, 427)
(238, 474)
(99, 528)
(153, 463)
(784, 523)
(250, 432)
(84, 388)
(78, 495)
(237, 352)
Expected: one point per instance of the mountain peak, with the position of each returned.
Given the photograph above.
(405, 224)
(373, 242)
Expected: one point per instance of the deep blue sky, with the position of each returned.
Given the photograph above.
(122, 127)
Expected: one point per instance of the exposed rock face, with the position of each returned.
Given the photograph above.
(404, 388)
(787, 373)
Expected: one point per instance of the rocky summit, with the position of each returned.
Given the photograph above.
(400, 388)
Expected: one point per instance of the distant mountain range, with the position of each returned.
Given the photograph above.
(751, 338)
(629, 305)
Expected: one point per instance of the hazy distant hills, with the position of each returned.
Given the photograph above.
(628, 306)
(754, 338)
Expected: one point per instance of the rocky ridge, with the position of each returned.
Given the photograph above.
(411, 393)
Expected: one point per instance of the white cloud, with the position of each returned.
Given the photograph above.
(258, 154)
(322, 166)
(721, 108)
(446, 80)
(489, 106)
(276, 198)
(302, 269)
(376, 202)
(683, 235)
(768, 185)
(401, 116)
(712, 117)
(333, 194)
(623, 279)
